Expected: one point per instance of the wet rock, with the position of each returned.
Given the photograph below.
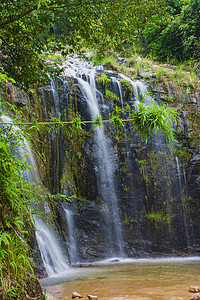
(194, 289)
(90, 297)
(146, 74)
(195, 296)
(76, 295)
(115, 260)
(21, 98)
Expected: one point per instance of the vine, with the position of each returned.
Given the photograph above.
(148, 120)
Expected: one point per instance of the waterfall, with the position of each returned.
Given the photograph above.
(24, 152)
(119, 86)
(104, 155)
(125, 180)
(53, 259)
(184, 202)
(105, 164)
(139, 90)
(72, 244)
(179, 175)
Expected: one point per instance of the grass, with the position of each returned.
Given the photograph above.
(103, 79)
(157, 216)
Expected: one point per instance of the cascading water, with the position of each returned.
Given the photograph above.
(103, 155)
(183, 201)
(105, 164)
(72, 243)
(23, 151)
(52, 256)
(53, 259)
(128, 185)
(179, 175)
(119, 86)
(128, 199)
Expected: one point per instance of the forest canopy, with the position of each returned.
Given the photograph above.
(29, 28)
(177, 36)
(164, 29)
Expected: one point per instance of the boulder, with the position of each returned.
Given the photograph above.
(196, 296)
(194, 289)
(90, 297)
(76, 295)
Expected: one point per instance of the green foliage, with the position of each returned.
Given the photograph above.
(28, 29)
(116, 119)
(111, 96)
(103, 79)
(184, 155)
(190, 28)
(40, 2)
(107, 61)
(161, 72)
(148, 119)
(163, 41)
(77, 123)
(151, 118)
(97, 122)
(158, 217)
(128, 86)
(186, 81)
(5, 78)
(176, 36)
(17, 199)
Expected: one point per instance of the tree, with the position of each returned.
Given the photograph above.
(190, 27)
(28, 30)
(176, 36)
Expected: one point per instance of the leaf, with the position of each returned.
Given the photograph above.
(77, 123)
(97, 121)
(117, 121)
(5, 238)
(4, 77)
(40, 2)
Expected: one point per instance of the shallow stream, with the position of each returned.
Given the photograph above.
(141, 279)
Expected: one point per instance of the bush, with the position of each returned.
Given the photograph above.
(176, 37)
(16, 229)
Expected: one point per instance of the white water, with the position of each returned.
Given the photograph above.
(52, 256)
(184, 202)
(139, 90)
(103, 152)
(23, 150)
(104, 158)
(105, 164)
(118, 83)
(179, 175)
(72, 244)
(53, 259)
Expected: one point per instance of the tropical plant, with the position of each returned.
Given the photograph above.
(29, 29)
(151, 118)
(17, 199)
(176, 36)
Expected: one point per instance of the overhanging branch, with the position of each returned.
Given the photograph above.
(28, 12)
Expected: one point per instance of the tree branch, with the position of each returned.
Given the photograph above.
(17, 18)
(28, 12)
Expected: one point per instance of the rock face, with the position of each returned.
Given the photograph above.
(156, 185)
